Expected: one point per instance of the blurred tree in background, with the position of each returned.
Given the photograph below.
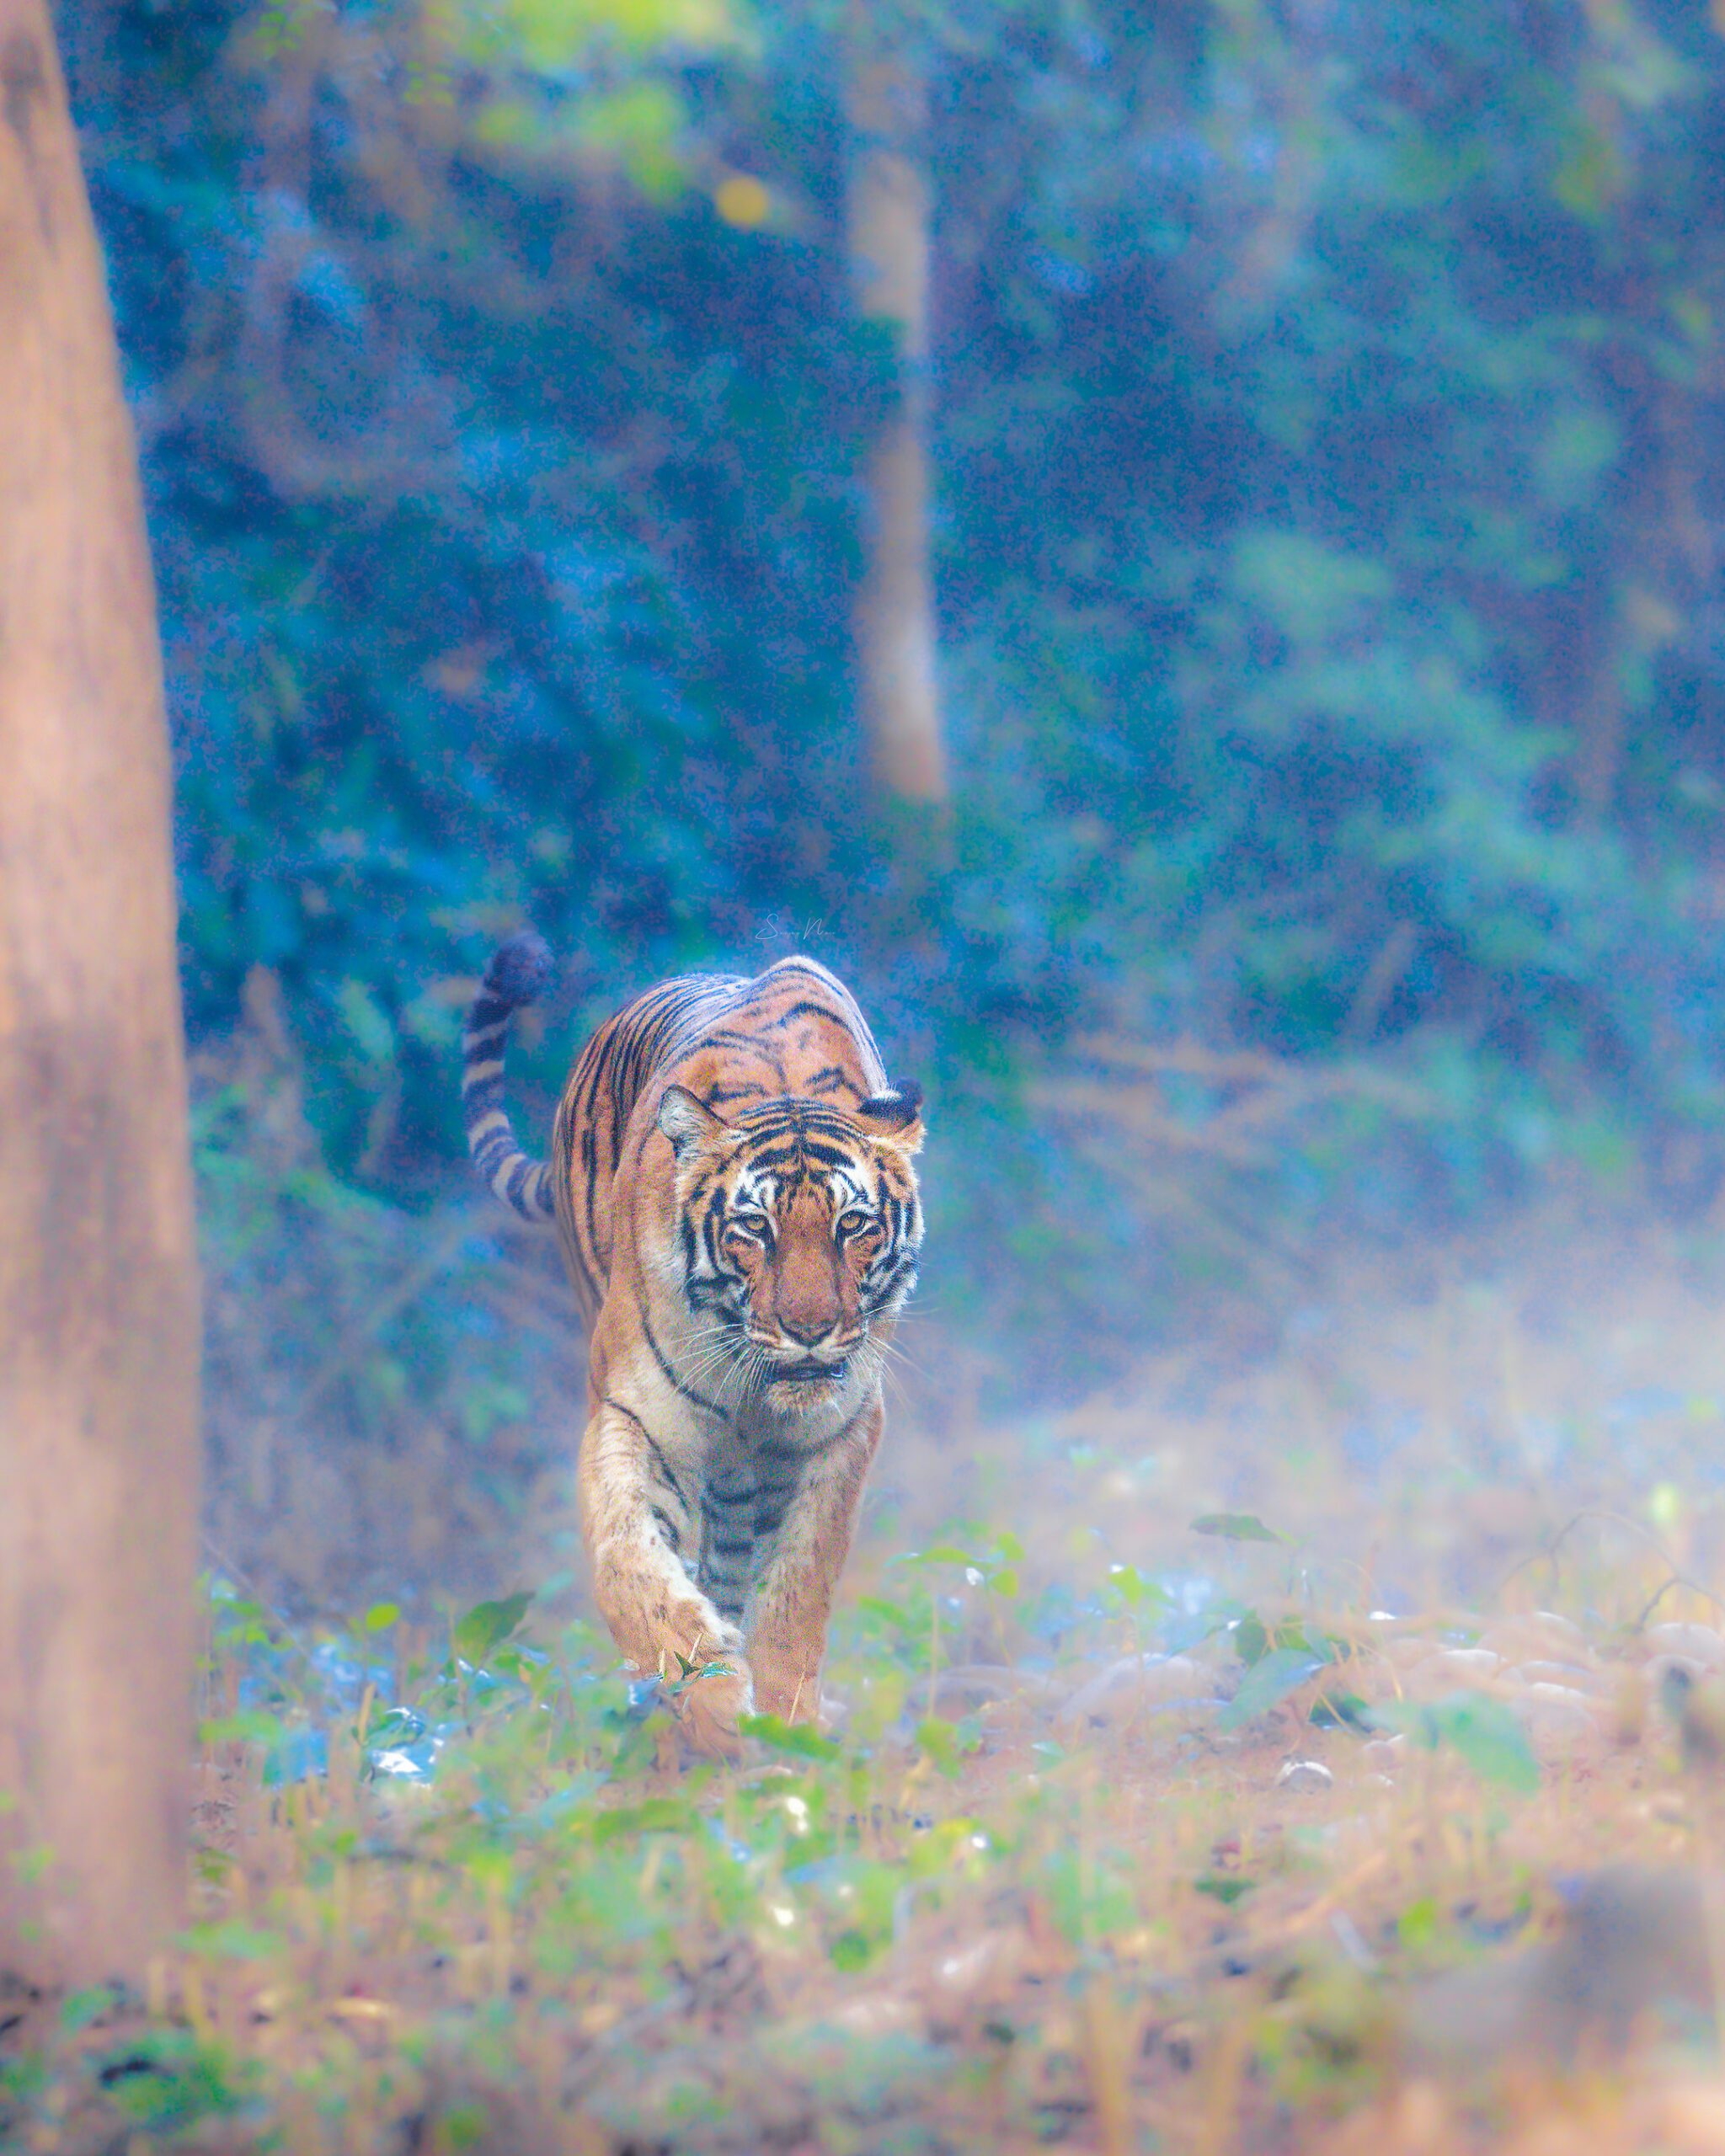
(100, 1425)
(1323, 404)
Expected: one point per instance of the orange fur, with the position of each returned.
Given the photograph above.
(734, 1194)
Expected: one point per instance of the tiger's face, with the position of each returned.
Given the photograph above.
(799, 1228)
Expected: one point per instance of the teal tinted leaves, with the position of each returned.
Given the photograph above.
(656, 1815)
(249, 1726)
(1312, 592)
(82, 2009)
(1136, 1591)
(1478, 1729)
(232, 1940)
(1580, 445)
(796, 1740)
(367, 1024)
(1234, 1527)
(1591, 173)
(1269, 1681)
(996, 1569)
(486, 1625)
(167, 2080)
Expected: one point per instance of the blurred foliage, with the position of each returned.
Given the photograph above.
(1327, 443)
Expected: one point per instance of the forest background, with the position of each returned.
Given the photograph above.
(1324, 419)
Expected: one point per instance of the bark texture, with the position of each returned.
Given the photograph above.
(98, 1323)
(894, 607)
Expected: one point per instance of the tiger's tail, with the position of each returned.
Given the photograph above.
(517, 974)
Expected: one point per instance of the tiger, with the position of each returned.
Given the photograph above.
(731, 1182)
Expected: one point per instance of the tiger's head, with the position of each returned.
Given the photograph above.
(799, 1228)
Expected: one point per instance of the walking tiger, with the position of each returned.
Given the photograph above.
(731, 1182)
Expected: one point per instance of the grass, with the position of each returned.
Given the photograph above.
(1305, 1826)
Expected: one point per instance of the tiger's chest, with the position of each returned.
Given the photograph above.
(745, 1490)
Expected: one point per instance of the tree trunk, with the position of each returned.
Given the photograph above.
(894, 609)
(98, 1321)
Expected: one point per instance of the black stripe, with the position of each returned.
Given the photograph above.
(654, 1447)
(828, 1156)
(671, 1379)
(781, 1157)
(802, 1011)
(771, 1507)
(729, 1037)
(590, 1163)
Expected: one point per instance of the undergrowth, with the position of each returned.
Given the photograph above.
(1118, 1863)
(1318, 1754)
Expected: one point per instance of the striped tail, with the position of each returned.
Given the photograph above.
(517, 974)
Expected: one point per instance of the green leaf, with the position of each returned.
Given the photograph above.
(1252, 1640)
(1341, 1710)
(801, 1740)
(692, 1676)
(249, 1726)
(381, 1615)
(1268, 1683)
(1234, 1527)
(656, 1815)
(391, 1726)
(80, 2009)
(635, 1748)
(944, 1744)
(367, 1021)
(488, 1625)
(232, 1941)
(463, 2125)
(1221, 1888)
(1135, 1590)
(1479, 1729)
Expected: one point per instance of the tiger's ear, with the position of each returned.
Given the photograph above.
(686, 1121)
(896, 1114)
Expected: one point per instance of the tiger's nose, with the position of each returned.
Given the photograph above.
(806, 1330)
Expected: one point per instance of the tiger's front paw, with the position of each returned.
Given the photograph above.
(709, 1706)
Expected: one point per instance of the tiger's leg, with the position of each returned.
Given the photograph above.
(793, 1594)
(637, 1520)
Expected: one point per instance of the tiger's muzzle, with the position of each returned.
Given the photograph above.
(793, 1361)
